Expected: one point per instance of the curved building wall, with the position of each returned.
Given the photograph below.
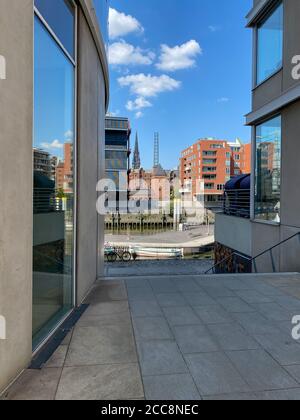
(16, 168)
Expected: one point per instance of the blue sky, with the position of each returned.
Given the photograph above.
(197, 85)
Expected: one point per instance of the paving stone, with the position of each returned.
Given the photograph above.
(145, 308)
(213, 314)
(284, 395)
(232, 337)
(160, 358)
(186, 285)
(252, 296)
(107, 382)
(294, 371)
(198, 299)
(35, 385)
(289, 303)
(260, 370)
(233, 397)
(255, 323)
(132, 283)
(171, 299)
(140, 293)
(151, 329)
(107, 291)
(102, 345)
(163, 285)
(181, 315)
(215, 375)
(218, 291)
(57, 360)
(171, 387)
(106, 308)
(235, 305)
(273, 311)
(194, 339)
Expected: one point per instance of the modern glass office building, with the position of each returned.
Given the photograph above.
(54, 101)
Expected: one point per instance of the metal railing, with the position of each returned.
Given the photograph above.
(237, 203)
(45, 200)
(216, 269)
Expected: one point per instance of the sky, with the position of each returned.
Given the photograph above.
(182, 68)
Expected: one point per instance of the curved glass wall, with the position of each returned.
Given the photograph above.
(53, 157)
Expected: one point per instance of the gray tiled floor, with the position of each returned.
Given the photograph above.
(181, 337)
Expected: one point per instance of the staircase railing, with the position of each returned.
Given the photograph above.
(252, 261)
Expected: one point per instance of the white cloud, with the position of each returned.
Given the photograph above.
(121, 24)
(223, 100)
(148, 85)
(138, 104)
(121, 53)
(69, 134)
(179, 57)
(56, 144)
(139, 115)
(113, 113)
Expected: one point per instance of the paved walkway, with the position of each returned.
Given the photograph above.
(189, 337)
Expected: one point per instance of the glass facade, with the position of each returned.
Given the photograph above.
(268, 170)
(270, 44)
(53, 171)
(60, 16)
(101, 7)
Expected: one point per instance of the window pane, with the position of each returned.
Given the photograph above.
(53, 194)
(60, 16)
(268, 170)
(270, 45)
(101, 7)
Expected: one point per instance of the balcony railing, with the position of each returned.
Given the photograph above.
(237, 203)
(45, 200)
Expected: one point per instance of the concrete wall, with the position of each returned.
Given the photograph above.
(90, 159)
(286, 257)
(234, 232)
(16, 105)
(16, 172)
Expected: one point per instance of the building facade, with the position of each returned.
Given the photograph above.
(274, 118)
(212, 163)
(117, 162)
(51, 244)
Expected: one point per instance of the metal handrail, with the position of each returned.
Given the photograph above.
(253, 260)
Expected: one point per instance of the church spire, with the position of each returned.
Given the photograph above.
(136, 162)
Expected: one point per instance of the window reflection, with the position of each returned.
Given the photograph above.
(53, 165)
(60, 16)
(101, 7)
(270, 45)
(268, 170)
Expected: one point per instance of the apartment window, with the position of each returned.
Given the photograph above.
(209, 186)
(209, 168)
(209, 153)
(268, 170)
(270, 44)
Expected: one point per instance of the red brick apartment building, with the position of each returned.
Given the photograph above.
(214, 162)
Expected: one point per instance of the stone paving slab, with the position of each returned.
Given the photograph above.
(221, 337)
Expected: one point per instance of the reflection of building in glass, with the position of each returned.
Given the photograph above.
(117, 154)
(42, 162)
(64, 171)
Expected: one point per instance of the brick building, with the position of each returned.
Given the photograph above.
(210, 163)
